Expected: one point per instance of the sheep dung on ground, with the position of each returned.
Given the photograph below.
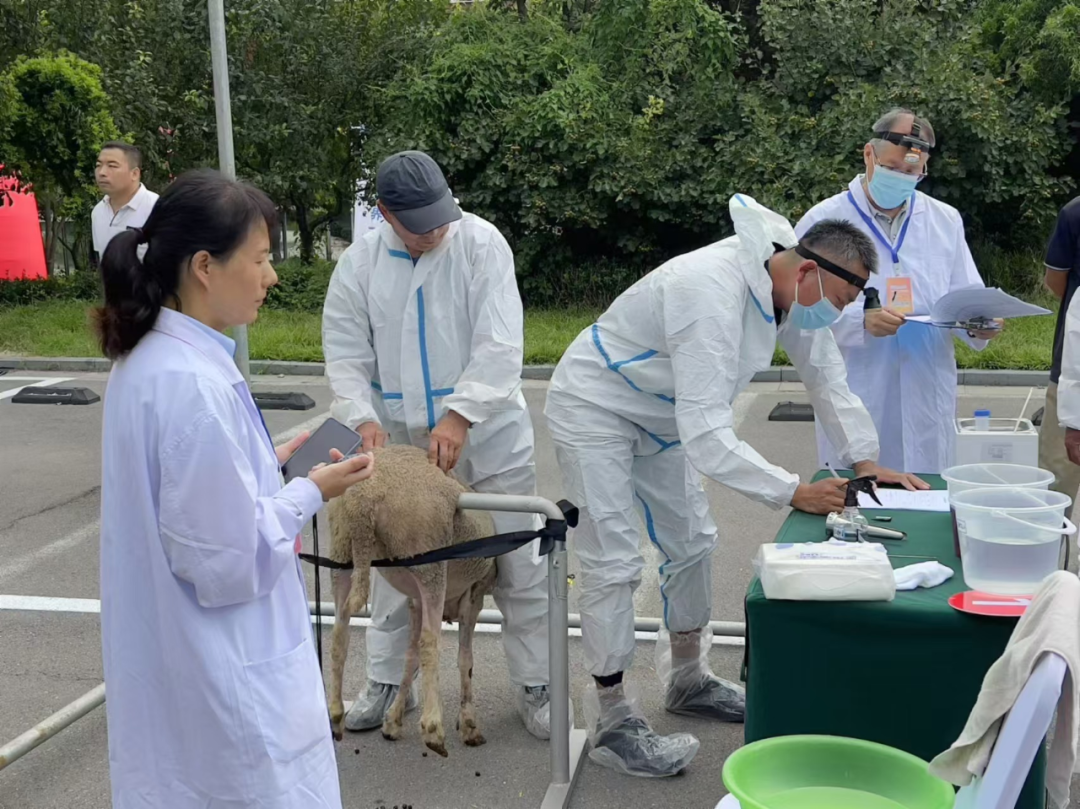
(409, 507)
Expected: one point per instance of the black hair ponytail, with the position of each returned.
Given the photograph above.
(133, 296)
(201, 210)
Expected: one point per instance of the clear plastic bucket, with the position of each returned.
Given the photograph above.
(1011, 537)
(985, 475)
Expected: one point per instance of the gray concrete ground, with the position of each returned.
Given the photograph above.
(49, 488)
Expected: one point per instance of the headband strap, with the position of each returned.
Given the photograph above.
(828, 266)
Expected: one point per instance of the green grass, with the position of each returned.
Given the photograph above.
(61, 329)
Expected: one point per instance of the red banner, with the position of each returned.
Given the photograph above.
(22, 252)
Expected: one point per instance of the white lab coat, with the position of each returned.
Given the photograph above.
(907, 381)
(215, 700)
(404, 344)
(640, 406)
(1068, 403)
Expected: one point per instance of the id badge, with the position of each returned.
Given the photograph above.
(899, 295)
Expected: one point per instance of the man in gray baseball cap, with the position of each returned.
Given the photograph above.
(423, 338)
(415, 199)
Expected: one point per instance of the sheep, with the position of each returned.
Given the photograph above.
(409, 507)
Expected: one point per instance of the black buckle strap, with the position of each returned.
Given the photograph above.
(485, 548)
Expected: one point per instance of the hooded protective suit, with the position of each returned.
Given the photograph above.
(404, 344)
(639, 409)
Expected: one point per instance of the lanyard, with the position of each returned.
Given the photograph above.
(894, 251)
(251, 400)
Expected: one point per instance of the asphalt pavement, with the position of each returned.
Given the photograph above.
(50, 642)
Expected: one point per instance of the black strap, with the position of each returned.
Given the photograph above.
(829, 266)
(485, 548)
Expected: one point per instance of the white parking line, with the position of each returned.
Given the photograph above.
(32, 381)
(57, 546)
(91, 606)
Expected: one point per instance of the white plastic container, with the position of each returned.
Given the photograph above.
(995, 440)
(991, 475)
(1011, 537)
(982, 421)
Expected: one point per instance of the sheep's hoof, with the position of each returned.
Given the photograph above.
(473, 737)
(437, 746)
(391, 730)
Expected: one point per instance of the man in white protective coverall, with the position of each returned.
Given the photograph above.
(640, 407)
(905, 373)
(423, 338)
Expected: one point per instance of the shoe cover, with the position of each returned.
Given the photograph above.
(534, 708)
(373, 702)
(622, 740)
(691, 688)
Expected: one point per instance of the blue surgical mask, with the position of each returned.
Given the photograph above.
(891, 188)
(816, 316)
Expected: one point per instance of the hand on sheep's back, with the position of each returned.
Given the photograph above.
(447, 439)
(372, 435)
(333, 479)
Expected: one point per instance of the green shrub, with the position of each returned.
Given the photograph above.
(81, 286)
(300, 287)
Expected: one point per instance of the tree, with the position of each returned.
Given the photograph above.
(61, 118)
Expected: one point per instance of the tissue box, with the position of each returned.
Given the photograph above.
(826, 571)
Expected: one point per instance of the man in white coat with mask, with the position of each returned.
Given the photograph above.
(423, 338)
(640, 407)
(904, 373)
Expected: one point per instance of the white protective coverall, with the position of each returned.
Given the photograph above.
(404, 344)
(907, 381)
(639, 409)
(215, 696)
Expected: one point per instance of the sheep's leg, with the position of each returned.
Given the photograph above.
(432, 579)
(392, 722)
(467, 725)
(339, 647)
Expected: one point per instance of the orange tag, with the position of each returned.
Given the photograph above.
(899, 296)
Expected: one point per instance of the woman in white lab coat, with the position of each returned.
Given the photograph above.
(214, 694)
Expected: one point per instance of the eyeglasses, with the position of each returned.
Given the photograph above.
(918, 177)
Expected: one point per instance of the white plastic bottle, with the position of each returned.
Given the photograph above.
(982, 421)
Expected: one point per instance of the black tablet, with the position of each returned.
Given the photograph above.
(332, 434)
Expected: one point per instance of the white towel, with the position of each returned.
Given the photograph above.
(923, 574)
(1050, 624)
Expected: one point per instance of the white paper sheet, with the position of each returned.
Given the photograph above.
(972, 302)
(903, 500)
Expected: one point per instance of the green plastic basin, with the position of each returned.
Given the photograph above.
(832, 772)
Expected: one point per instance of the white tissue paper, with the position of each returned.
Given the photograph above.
(924, 574)
(826, 571)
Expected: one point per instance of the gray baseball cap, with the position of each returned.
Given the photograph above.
(412, 187)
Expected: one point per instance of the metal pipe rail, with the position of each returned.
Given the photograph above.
(567, 742)
(731, 629)
(46, 729)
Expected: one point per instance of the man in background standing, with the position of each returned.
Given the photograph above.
(127, 202)
(904, 373)
(1062, 278)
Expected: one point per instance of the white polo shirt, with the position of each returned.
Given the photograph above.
(105, 224)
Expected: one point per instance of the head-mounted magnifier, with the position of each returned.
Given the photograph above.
(913, 142)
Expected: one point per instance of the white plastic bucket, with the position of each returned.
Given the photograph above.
(1011, 537)
(984, 475)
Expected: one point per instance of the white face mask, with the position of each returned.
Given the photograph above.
(816, 316)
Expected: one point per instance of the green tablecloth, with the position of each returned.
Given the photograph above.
(904, 673)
